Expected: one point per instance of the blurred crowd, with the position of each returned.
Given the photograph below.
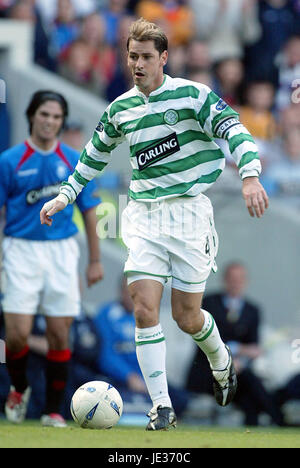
(247, 51)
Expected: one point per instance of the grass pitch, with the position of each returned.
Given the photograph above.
(32, 435)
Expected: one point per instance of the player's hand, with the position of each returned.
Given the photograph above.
(50, 208)
(94, 273)
(254, 194)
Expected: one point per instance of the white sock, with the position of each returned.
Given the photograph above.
(209, 341)
(151, 355)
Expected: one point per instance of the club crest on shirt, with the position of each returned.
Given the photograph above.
(61, 171)
(100, 127)
(171, 117)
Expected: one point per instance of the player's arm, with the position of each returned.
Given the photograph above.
(245, 154)
(91, 164)
(219, 120)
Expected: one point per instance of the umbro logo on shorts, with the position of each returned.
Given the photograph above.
(165, 147)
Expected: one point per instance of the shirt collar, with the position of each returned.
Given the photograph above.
(157, 90)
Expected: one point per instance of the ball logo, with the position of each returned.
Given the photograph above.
(115, 407)
(91, 413)
(171, 117)
(91, 389)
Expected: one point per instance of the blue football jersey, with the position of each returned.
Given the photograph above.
(28, 179)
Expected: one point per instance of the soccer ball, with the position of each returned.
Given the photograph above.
(96, 405)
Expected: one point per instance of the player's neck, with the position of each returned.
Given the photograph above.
(43, 145)
(154, 86)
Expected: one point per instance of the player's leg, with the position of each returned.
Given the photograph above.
(192, 255)
(17, 331)
(60, 304)
(21, 286)
(187, 312)
(151, 349)
(147, 268)
(57, 367)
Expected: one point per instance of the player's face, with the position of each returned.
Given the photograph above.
(236, 280)
(146, 65)
(47, 121)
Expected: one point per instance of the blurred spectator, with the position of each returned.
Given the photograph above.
(65, 28)
(48, 9)
(289, 392)
(112, 14)
(227, 25)
(177, 60)
(202, 76)
(238, 320)
(122, 78)
(4, 6)
(73, 135)
(283, 178)
(279, 20)
(229, 74)
(5, 128)
(175, 16)
(256, 113)
(77, 67)
(103, 55)
(289, 118)
(288, 71)
(198, 56)
(24, 10)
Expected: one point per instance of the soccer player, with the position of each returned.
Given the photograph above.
(170, 125)
(40, 265)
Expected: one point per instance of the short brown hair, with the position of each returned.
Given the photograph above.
(143, 30)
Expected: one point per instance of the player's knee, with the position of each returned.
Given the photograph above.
(145, 315)
(187, 321)
(58, 337)
(16, 341)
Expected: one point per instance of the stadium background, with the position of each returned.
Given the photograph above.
(250, 37)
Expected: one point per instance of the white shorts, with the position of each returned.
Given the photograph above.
(174, 238)
(40, 277)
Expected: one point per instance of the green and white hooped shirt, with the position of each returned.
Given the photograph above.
(171, 139)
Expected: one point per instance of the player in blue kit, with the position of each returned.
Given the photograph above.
(39, 264)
